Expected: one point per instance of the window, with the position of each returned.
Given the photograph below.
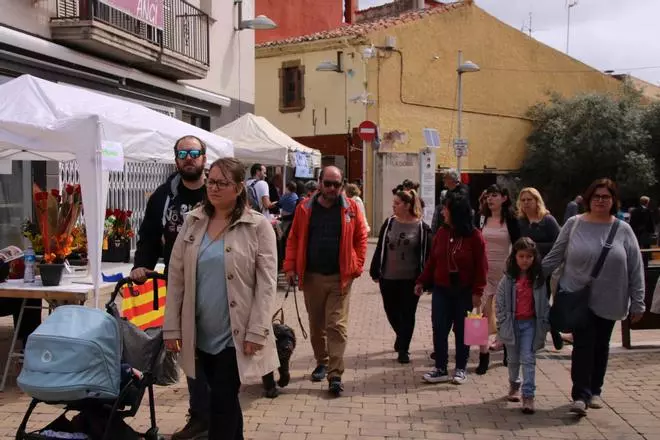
(292, 87)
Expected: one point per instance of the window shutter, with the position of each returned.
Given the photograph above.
(301, 85)
(280, 73)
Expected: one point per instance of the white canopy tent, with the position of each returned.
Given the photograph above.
(255, 139)
(41, 120)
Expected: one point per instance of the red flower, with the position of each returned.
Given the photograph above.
(77, 189)
(117, 212)
(129, 213)
(69, 189)
(108, 213)
(55, 192)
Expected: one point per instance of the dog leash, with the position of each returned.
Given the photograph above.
(280, 311)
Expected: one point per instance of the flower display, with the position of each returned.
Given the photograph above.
(57, 214)
(117, 225)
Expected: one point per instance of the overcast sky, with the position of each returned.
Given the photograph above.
(607, 34)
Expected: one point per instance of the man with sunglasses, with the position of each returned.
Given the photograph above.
(326, 249)
(163, 218)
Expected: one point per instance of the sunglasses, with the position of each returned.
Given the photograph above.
(194, 154)
(332, 183)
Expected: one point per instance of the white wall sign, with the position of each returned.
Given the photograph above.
(427, 182)
(112, 155)
(303, 168)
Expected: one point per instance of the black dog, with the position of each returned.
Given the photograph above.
(285, 341)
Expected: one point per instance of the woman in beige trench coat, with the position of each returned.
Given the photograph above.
(220, 296)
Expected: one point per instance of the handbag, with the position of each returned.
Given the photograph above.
(476, 329)
(570, 310)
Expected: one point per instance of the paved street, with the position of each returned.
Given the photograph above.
(384, 399)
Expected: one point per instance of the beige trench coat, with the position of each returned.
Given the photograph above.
(251, 270)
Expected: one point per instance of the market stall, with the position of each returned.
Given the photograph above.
(41, 120)
(256, 140)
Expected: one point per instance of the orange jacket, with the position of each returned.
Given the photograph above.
(352, 246)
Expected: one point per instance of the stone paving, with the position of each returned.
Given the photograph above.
(386, 400)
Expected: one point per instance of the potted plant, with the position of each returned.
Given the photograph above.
(117, 234)
(57, 213)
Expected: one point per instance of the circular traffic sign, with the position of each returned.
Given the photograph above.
(367, 131)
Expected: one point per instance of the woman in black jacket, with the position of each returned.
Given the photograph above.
(500, 229)
(404, 243)
(539, 225)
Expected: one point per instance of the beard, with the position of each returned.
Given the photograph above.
(191, 173)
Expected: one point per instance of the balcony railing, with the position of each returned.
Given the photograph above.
(185, 29)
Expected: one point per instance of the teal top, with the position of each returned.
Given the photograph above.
(211, 301)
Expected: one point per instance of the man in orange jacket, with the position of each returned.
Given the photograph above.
(326, 249)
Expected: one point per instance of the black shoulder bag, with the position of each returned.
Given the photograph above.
(570, 310)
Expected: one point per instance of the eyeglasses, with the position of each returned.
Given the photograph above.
(218, 184)
(332, 183)
(194, 154)
(601, 197)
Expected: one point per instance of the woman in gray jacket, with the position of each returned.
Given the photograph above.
(617, 291)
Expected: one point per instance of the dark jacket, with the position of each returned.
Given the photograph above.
(470, 258)
(154, 241)
(544, 233)
(380, 256)
(460, 190)
(642, 224)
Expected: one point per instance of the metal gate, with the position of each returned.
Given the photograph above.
(127, 190)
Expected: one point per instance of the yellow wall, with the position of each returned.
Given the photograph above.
(325, 96)
(517, 72)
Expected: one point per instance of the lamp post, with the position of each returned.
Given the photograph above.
(338, 67)
(258, 23)
(463, 67)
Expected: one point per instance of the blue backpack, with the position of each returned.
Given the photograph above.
(253, 198)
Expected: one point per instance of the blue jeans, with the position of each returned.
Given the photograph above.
(522, 354)
(449, 307)
(199, 394)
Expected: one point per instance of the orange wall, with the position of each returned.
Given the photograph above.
(298, 17)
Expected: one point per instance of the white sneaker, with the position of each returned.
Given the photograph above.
(436, 376)
(460, 377)
(596, 402)
(579, 407)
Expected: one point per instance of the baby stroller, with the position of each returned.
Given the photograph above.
(86, 360)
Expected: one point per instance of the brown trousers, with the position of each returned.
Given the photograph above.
(327, 308)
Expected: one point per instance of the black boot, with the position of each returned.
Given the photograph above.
(285, 377)
(269, 385)
(505, 360)
(484, 360)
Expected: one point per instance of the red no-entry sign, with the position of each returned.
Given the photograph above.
(367, 131)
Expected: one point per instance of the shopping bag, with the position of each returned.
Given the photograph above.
(476, 329)
(137, 304)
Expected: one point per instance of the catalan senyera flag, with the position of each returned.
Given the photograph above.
(140, 309)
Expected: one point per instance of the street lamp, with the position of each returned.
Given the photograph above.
(463, 67)
(330, 66)
(258, 23)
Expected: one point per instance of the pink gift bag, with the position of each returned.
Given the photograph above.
(476, 330)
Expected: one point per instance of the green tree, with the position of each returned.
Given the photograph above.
(651, 123)
(576, 140)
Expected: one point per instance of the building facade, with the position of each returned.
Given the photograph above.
(410, 77)
(185, 58)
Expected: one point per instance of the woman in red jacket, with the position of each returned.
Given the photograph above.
(456, 270)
